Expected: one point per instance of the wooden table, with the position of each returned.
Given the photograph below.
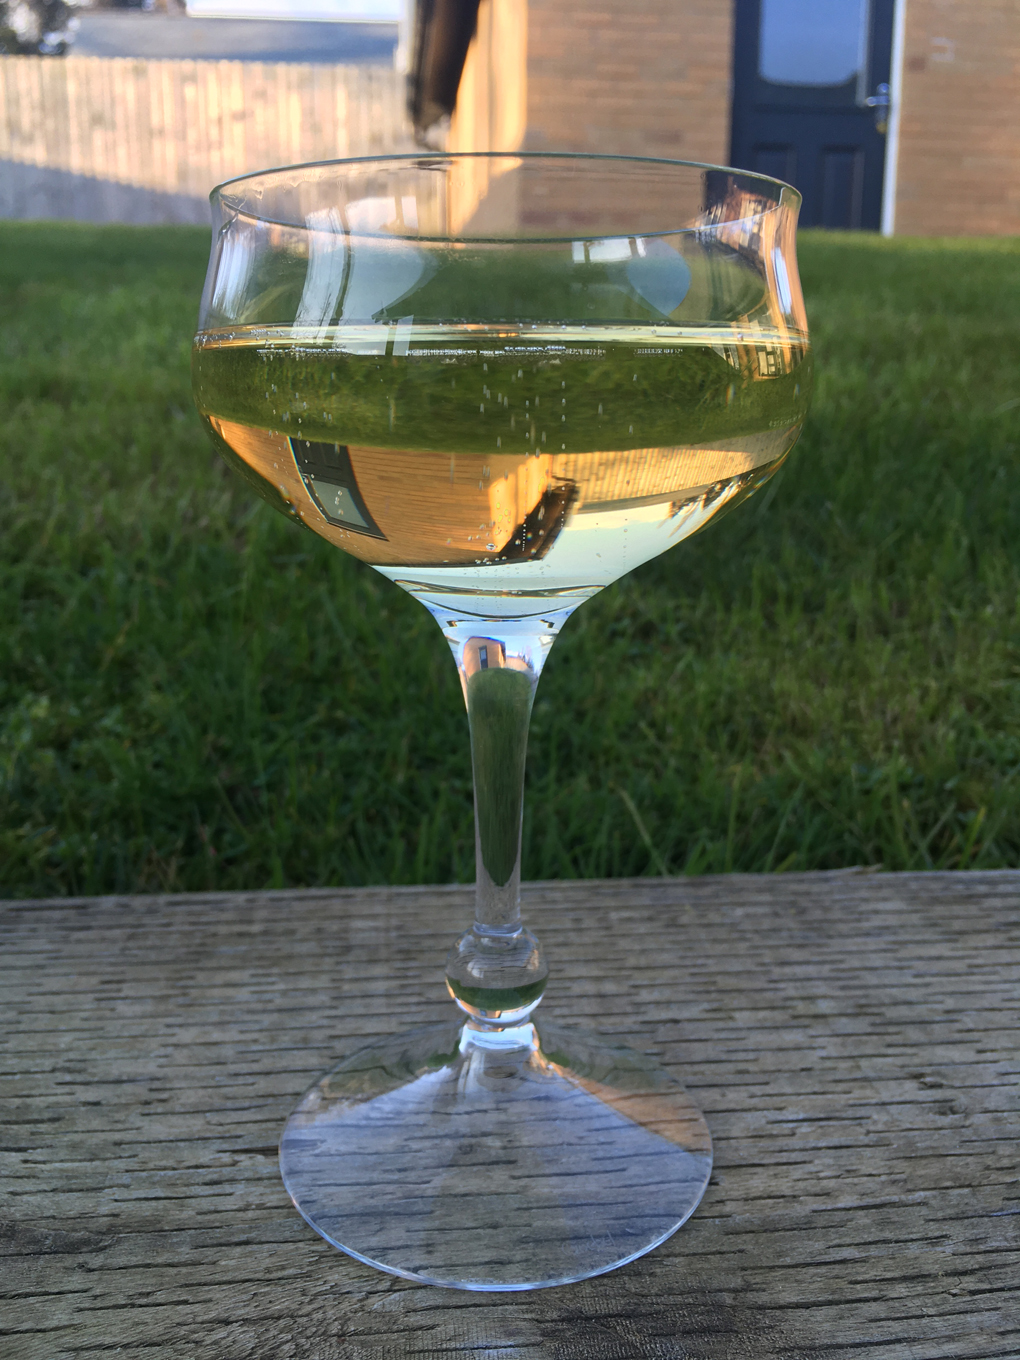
(851, 1037)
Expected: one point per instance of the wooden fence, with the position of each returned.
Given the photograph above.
(112, 139)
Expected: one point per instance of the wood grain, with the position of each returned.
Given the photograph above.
(174, 129)
(852, 1039)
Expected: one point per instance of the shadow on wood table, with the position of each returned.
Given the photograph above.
(852, 1039)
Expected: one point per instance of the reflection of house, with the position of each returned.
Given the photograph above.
(483, 654)
(488, 654)
(810, 84)
(432, 509)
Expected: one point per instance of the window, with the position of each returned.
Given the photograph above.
(812, 42)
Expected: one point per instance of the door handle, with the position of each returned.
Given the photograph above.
(879, 101)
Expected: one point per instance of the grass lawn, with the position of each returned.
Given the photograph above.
(195, 693)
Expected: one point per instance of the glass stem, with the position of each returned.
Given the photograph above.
(496, 972)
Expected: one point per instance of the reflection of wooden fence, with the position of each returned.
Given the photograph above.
(154, 136)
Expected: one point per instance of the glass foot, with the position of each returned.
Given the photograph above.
(496, 1160)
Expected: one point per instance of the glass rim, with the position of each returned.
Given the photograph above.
(786, 195)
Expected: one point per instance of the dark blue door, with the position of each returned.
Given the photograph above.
(810, 99)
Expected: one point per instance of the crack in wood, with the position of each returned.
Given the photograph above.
(851, 1036)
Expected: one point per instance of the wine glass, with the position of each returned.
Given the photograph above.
(502, 381)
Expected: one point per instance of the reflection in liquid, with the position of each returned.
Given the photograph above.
(426, 509)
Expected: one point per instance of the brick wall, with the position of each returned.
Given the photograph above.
(491, 112)
(652, 78)
(959, 161)
(649, 78)
(635, 77)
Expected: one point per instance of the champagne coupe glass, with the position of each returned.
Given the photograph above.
(502, 381)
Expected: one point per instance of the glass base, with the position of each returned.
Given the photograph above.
(496, 1160)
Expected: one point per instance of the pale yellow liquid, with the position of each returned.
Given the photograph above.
(498, 471)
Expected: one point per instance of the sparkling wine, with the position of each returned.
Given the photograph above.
(504, 471)
(630, 360)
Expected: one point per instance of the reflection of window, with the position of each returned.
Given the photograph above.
(329, 479)
(812, 42)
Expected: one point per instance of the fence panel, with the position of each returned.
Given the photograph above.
(119, 139)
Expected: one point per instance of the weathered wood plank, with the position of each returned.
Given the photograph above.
(115, 138)
(853, 1039)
